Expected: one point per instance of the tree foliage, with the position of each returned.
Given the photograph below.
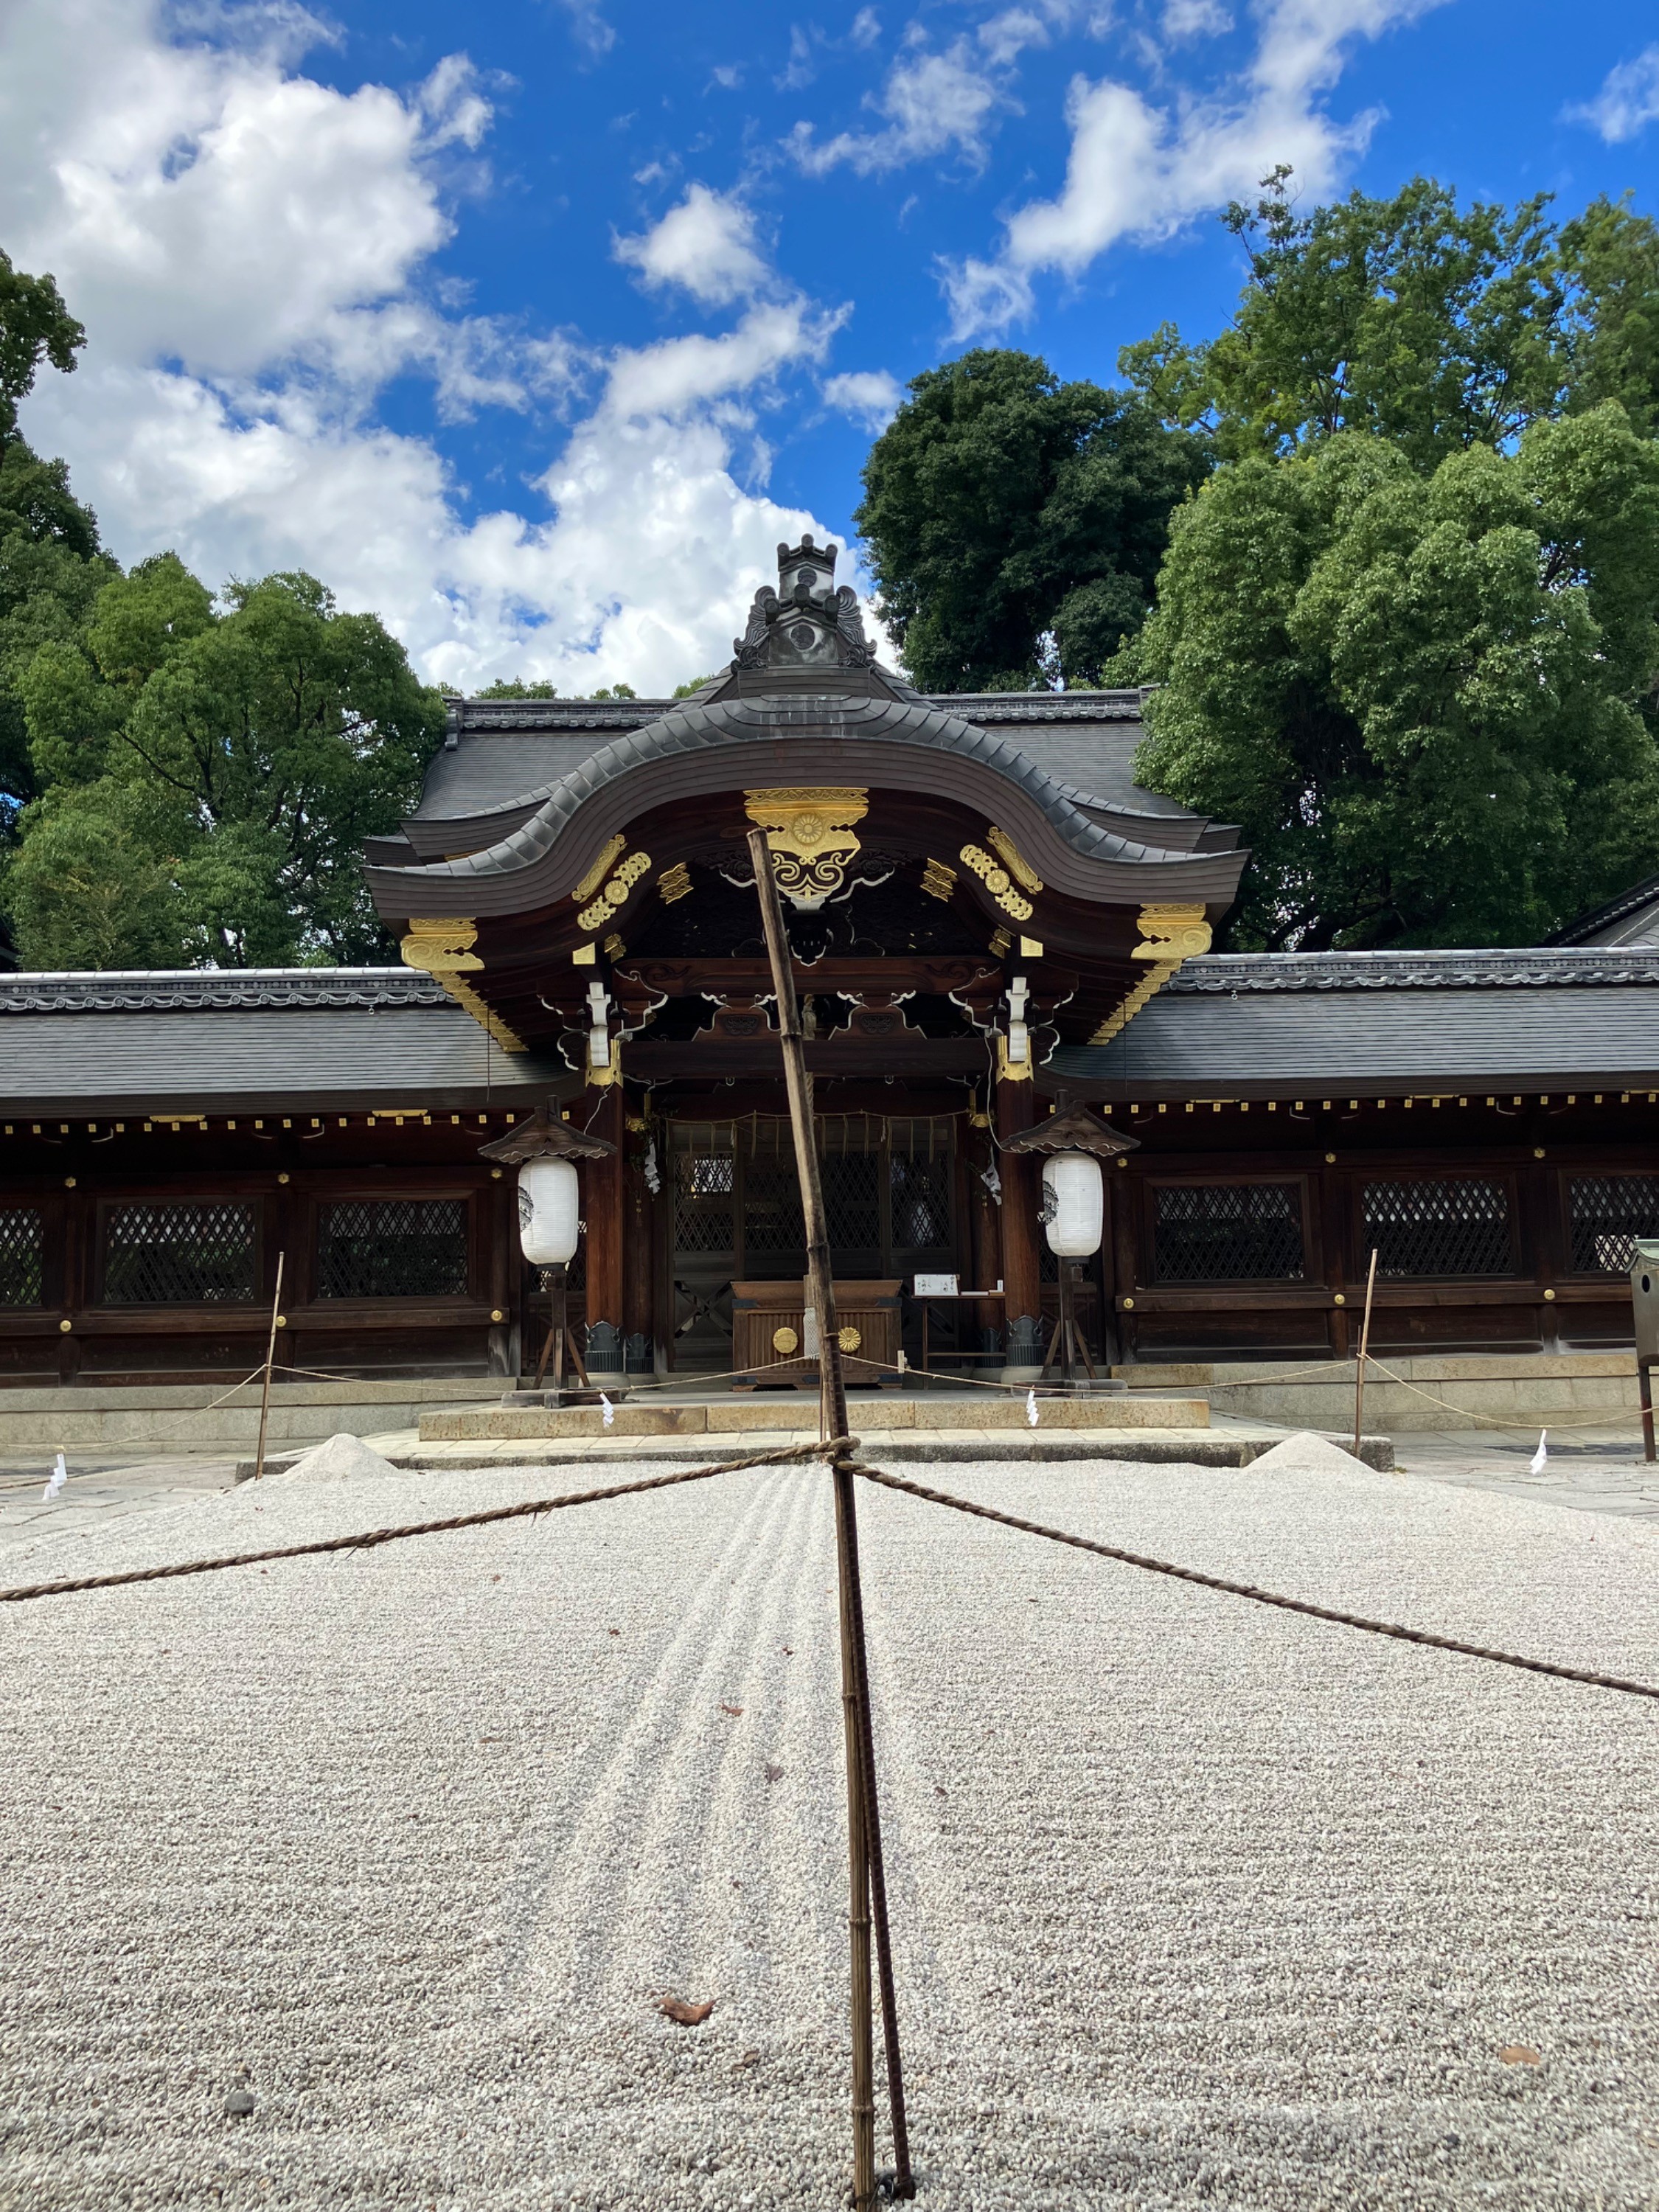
(1015, 523)
(247, 747)
(1430, 324)
(182, 780)
(520, 687)
(1428, 705)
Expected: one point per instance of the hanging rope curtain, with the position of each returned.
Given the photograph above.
(765, 1136)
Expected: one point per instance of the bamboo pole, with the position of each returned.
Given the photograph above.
(865, 1872)
(271, 1354)
(1365, 1341)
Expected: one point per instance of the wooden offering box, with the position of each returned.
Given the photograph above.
(771, 1346)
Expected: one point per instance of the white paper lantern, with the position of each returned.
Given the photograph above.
(548, 1212)
(1074, 1204)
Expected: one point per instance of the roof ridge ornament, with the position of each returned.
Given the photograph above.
(807, 624)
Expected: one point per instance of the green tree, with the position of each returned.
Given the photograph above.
(1430, 325)
(1429, 706)
(246, 750)
(50, 569)
(518, 687)
(87, 890)
(1015, 524)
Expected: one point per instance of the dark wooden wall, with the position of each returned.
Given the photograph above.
(1330, 1154)
(287, 1170)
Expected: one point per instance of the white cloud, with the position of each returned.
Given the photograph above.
(933, 103)
(249, 247)
(802, 67)
(706, 245)
(1141, 171)
(1185, 19)
(589, 29)
(1006, 35)
(869, 395)
(1627, 102)
(865, 28)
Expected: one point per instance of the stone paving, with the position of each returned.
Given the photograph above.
(103, 1487)
(1596, 1471)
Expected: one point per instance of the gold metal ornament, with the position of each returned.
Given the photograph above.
(850, 1338)
(1173, 934)
(785, 1341)
(615, 894)
(809, 833)
(443, 947)
(674, 883)
(1017, 866)
(614, 847)
(938, 881)
(997, 881)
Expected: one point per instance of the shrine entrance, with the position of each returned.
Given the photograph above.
(889, 1187)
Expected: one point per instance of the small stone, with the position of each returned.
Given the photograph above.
(239, 2105)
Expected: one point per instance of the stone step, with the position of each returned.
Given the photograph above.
(456, 1425)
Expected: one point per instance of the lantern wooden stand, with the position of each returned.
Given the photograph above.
(1072, 1143)
(541, 1138)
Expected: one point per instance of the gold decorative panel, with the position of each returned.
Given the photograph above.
(674, 883)
(938, 881)
(808, 831)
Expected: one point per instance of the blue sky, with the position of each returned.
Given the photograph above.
(532, 327)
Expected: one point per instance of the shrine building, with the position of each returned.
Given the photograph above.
(990, 923)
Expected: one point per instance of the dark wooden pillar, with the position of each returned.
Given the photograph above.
(500, 1265)
(984, 1216)
(1022, 1277)
(80, 1213)
(1128, 1201)
(604, 1208)
(638, 1351)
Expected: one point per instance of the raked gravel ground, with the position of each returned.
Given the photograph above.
(1194, 1904)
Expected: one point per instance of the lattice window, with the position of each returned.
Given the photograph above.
(1607, 1213)
(391, 1248)
(1228, 1232)
(1452, 1228)
(704, 1202)
(771, 1207)
(190, 1252)
(852, 1201)
(920, 1198)
(22, 1256)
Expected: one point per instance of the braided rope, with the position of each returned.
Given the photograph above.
(371, 1537)
(1248, 1591)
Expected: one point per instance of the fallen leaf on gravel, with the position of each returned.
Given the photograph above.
(613, 1631)
(749, 2059)
(688, 2016)
(1519, 2054)
(735, 1711)
(774, 1773)
(494, 1578)
(939, 1791)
